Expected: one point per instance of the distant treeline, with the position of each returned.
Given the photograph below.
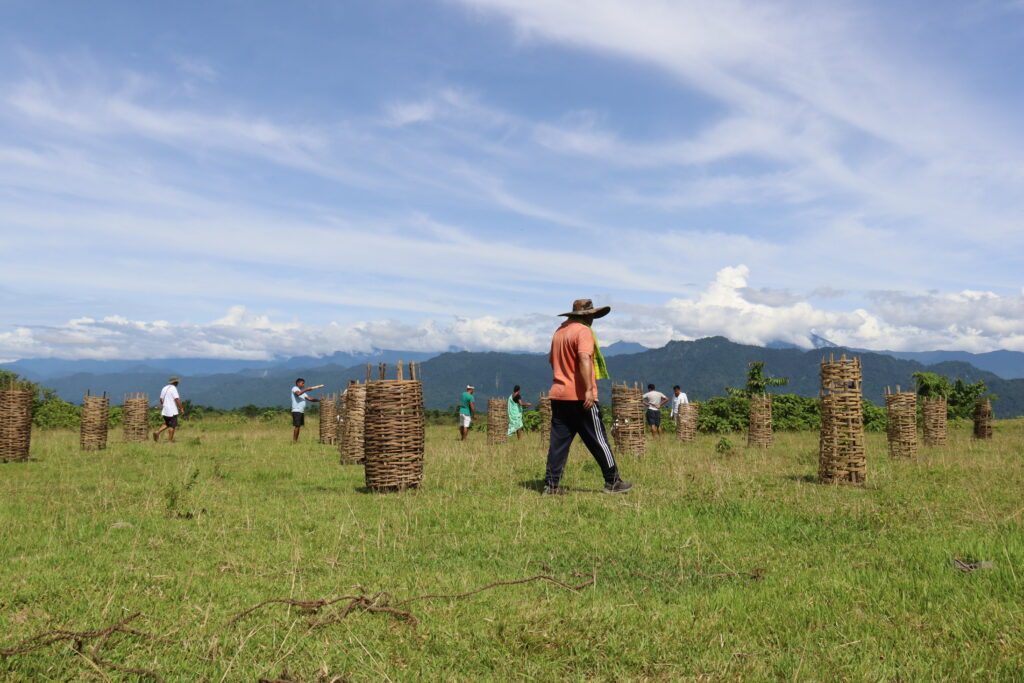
(723, 414)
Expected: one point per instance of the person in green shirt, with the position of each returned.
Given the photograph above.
(467, 411)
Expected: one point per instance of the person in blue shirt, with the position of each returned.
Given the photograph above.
(467, 411)
(299, 399)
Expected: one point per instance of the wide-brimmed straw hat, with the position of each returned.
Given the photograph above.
(173, 380)
(586, 307)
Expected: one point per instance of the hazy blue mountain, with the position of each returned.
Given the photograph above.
(38, 369)
(703, 368)
(620, 348)
(1006, 364)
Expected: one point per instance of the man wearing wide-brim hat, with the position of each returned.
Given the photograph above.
(576, 364)
(170, 408)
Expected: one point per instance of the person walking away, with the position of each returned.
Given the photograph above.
(576, 364)
(170, 409)
(678, 399)
(299, 401)
(467, 411)
(515, 413)
(654, 400)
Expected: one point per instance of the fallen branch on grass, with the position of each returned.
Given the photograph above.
(93, 654)
(383, 601)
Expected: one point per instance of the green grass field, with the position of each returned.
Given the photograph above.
(715, 567)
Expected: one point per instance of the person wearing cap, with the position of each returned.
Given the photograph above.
(576, 365)
(299, 399)
(170, 409)
(467, 411)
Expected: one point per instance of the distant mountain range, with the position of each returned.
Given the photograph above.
(37, 369)
(703, 368)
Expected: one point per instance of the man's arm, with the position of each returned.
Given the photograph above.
(181, 408)
(664, 400)
(472, 407)
(586, 366)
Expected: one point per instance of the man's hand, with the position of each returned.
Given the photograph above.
(586, 368)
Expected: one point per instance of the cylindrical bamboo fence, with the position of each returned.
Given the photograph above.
(94, 422)
(686, 422)
(329, 419)
(983, 419)
(394, 428)
(759, 431)
(544, 407)
(841, 455)
(497, 421)
(15, 423)
(136, 418)
(934, 416)
(353, 412)
(628, 419)
(901, 423)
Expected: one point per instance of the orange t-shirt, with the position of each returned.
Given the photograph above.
(570, 340)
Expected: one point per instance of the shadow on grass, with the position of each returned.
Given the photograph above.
(387, 492)
(805, 478)
(538, 486)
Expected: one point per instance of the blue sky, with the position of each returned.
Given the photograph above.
(250, 179)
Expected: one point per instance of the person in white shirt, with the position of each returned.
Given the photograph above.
(653, 401)
(299, 399)
(678, 399)
(170, 409)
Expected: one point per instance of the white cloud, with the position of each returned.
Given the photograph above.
(243, 335)
(728, 306)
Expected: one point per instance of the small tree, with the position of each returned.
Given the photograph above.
(931, 385)
(759, 421)
(757, 382)
(963, 397)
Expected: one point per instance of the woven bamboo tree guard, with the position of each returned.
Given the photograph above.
(544, 407)
(15, 423)
(934, 417)
(94, 422)
(901, 423)
(841, 456)
(329, 419)
(628, 419)
(983, 419)
(759, 431)
(136, 418)
(393, 432)
(497, 421)
(350, 440)
(686, 422)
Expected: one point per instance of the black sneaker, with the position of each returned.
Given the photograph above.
(617, 486)
(554, 491)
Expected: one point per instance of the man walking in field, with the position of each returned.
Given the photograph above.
(299, 399)
(170, 409)
(678, 399)
(467, 411)
(653, 401)
(576, 364)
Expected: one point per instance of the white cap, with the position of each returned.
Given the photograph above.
(469, 386)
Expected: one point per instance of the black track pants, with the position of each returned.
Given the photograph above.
(569, 418)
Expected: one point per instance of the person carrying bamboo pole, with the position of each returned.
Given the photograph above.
(576, 364)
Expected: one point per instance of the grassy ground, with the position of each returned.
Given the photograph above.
(714, 567)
